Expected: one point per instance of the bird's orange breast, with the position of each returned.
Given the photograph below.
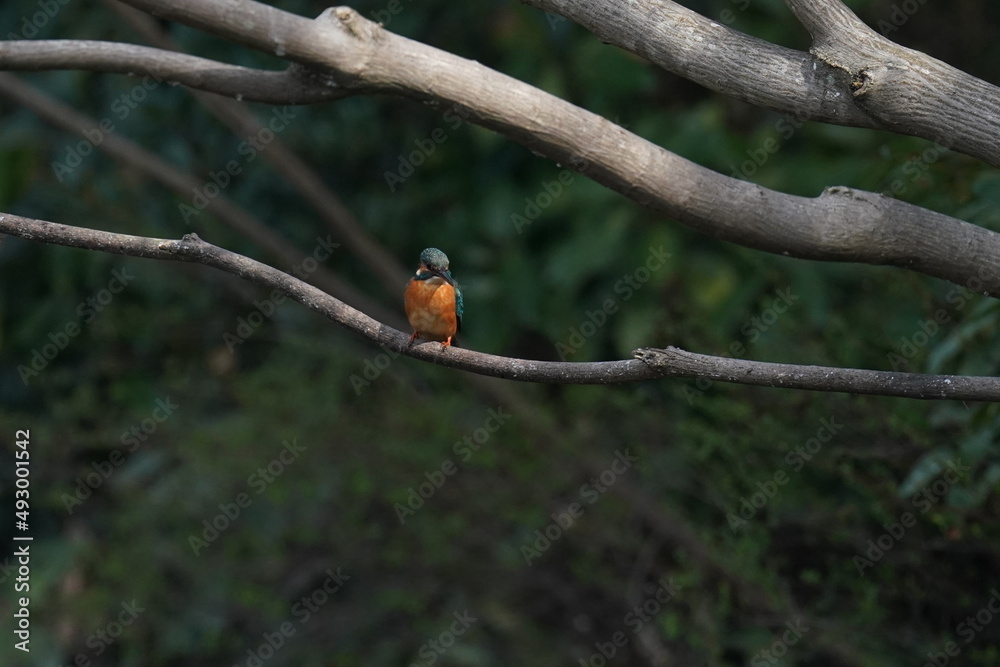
(430, 308)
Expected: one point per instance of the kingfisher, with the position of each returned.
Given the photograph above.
(433, 300)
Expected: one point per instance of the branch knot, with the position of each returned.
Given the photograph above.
(354, 23)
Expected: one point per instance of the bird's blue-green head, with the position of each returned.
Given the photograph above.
(434, 259)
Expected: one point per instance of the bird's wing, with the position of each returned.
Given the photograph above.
(459, 305)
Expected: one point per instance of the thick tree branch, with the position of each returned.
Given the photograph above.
(722, 59)
(648, 363)
(901, 89)
(292, 86)
(851, 75)
(841, 225)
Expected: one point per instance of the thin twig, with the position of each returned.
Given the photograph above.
(291, 86)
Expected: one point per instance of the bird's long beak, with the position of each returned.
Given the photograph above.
(443, 275)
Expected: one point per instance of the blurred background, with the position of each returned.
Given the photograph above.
(218, 477)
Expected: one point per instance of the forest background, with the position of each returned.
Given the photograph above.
(220, 476)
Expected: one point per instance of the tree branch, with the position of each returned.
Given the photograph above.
(184, 185)
(851, 75)
(292, 86)
(648, 363)
(330, 209)
(674, 362)
(717, 57)
(901, 89)
(840, 225)
(300, 175)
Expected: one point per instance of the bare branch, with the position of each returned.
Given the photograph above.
(851, 76)
(831, 20)
(901, 89)
(292, 86)
(157, 169)
(841, 225)
(674, 362)
(648, 363)
(722, 59)
(300, 175)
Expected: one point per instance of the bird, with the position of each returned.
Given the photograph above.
(433, 300)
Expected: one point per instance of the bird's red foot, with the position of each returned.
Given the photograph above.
(447, 343)
(413, 338)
